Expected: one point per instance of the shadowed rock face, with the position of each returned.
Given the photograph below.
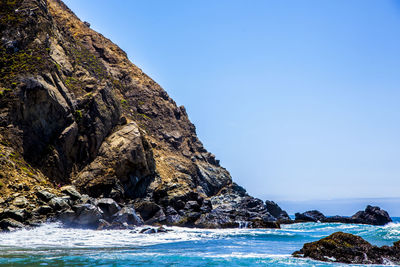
(348, 248)
(75, 110)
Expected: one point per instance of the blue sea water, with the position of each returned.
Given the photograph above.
(53, 245)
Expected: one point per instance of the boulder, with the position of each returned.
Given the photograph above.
(150, 212)
(43, 210)
(372, 215)
(127, 215)
(45, 195)
(17, 214)
(71, 191)
(10, 224)
(310, 216)
(58, 203)
(20, 202)
(108, 206)
(348, 248)
(87, 215)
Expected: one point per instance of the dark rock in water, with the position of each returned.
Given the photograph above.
(348, 248)
(276, 211)
(372, 215)
(10, 224)
(108, 206)
(172, 216)
(67, 216)
(150, 230)
(127, 215)
(310, 216)
(103, 225)
(150, 212)
(71, 191)
(87, 215)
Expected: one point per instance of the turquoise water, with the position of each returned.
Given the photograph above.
(53, 245)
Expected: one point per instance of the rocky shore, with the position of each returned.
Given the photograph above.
(371, 215)
(348, 248)
(73, 209)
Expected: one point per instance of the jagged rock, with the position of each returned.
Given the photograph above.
(103, 225)
(172, 216)
(372, 215)
(81, 113)
(58, 203)
(43, 210)
(67, 216)
(87, 215)
(127, 215)
(150, 212)
(310, 216)
(9, 224)
(17, 214)
(348, 248)
(133, 163)
(45, 195)
(277, 212)
(71, 191)
(108, 206)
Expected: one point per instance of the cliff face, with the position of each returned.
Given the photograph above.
(75, 110)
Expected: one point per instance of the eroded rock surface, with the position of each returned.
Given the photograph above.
(348, 248)
(75, 111)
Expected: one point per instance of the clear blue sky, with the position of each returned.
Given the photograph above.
(298, 99)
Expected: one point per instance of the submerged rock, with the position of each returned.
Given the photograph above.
(348, 248)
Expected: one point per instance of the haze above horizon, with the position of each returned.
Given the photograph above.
(298, 99)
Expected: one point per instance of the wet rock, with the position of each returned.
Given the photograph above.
(87, 215)
(172, 216)
(108, 206)
(127, 215)
(276, 211)
(150, 212)
(103, 225)
(372, 215)
(148, 231)
(310, 216)
(10, 224)
(71, 191)
(348, 248)
(67, 217)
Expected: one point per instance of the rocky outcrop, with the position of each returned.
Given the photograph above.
(310, 216)
(371, 215)
(348, 248)
(75, 111)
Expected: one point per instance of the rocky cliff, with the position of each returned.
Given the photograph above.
(75, 111)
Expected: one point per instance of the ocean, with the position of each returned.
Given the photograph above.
(53, 245)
